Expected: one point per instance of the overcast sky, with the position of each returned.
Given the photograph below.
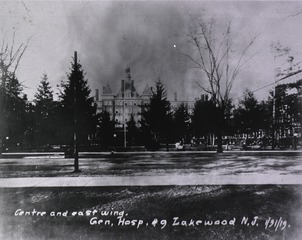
(146, 36)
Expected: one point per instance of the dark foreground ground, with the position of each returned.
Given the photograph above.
(157, 208)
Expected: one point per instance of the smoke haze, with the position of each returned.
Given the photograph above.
(141, 35)
(149, 37)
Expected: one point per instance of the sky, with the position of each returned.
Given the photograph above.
(150, 37)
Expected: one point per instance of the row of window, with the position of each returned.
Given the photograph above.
(121, 120)
(119, 113)
(121, 103)
(127, 115)
(134, 103)
(108, 103)
(138, 103)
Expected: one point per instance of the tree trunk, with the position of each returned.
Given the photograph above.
(167, 144)
(220, 129)
(219, 142)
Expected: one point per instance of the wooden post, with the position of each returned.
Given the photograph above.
(75, 140)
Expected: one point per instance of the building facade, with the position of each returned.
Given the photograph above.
(288, 113)
(129, 102)
(125, 103)
(288, 100)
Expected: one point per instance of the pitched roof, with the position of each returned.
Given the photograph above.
(107, 90)
(129, 88)
(147, 90)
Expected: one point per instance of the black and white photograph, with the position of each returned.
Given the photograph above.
(150, 120)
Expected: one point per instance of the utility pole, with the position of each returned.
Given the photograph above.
(274, 107)
(75, 140)
(274, 102)
(127, 70)
(125, 133)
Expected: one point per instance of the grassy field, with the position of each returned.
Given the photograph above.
(168, 205)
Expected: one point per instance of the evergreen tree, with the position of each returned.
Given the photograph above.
(83, 107)
(248, 115)
(210, 119)
(205, 118)
(12, 111)
(132, 131)
(45, 113)
(157, 118)
(105, 129)
(44, 97)
(181, 122)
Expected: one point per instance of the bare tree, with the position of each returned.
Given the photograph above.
(10, 57)
(214, 56)
(10, 88)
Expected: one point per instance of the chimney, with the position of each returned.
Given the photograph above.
(123, 87)
(132, 87)
(175, 96)
(97, 94)
(127, 70)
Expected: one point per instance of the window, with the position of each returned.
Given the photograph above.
(108, 103)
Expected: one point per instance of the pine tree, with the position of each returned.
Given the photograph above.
(79, 103)
(157, 118)
(132, 130)
(44, 97)
(248, 114)
(45, 113)
(105, 129)
(181, 119)
(204, 119)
